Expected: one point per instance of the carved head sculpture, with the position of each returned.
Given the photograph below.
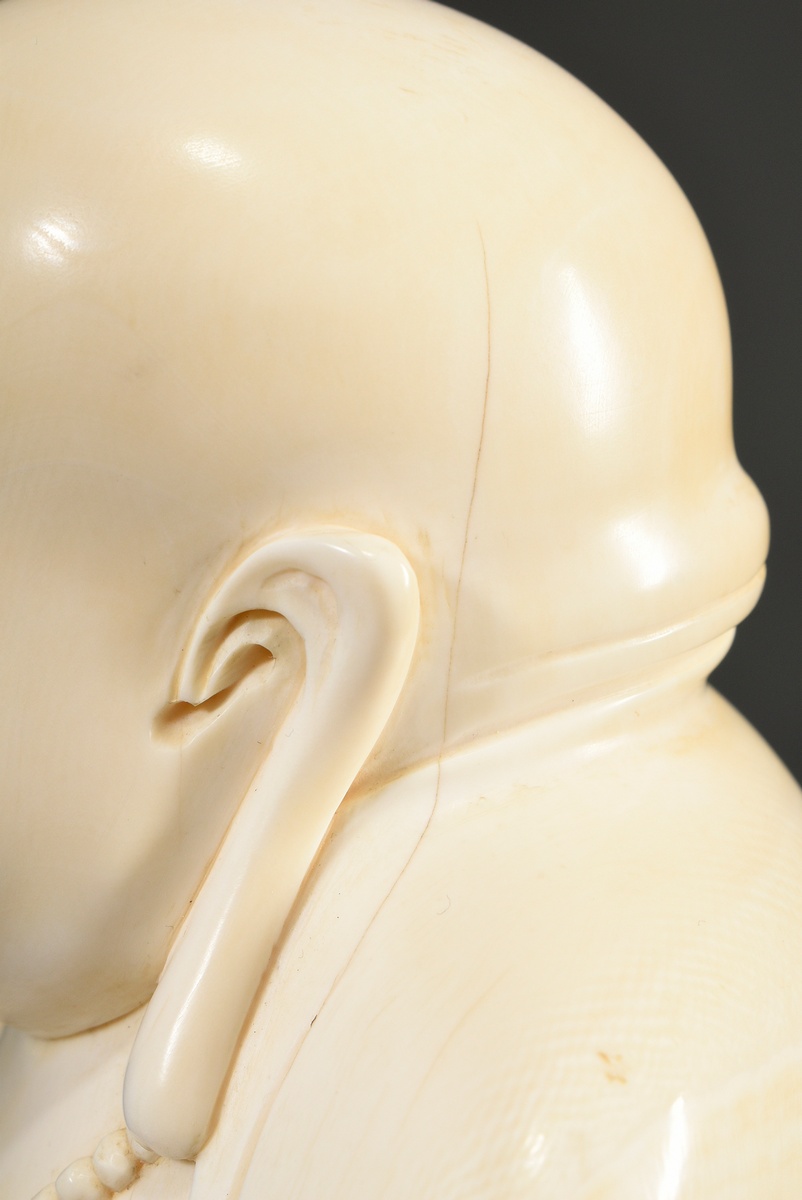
(360, 395)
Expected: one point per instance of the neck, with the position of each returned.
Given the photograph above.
(67, 1096)
(516, 693)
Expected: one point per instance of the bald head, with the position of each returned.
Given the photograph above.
(365, 265)
(372, 264)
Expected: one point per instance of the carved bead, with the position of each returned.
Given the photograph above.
(80, 1182)
(114, 1161)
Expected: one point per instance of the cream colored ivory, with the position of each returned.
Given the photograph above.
(370, 523)
(355, 610)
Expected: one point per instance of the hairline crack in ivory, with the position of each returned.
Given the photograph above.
(371, 524)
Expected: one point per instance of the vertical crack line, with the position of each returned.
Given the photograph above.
(246, 1161)
(471, 502)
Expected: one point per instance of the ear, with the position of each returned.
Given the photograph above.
(350, 600)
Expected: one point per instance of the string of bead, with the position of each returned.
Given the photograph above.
(114, 1166)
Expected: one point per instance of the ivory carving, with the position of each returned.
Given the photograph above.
(371, 524)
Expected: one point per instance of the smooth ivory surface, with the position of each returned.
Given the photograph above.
(370, 524)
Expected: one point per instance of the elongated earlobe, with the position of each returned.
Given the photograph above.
(346, 605)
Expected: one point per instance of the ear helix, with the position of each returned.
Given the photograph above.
(355, 607)
(246, 650)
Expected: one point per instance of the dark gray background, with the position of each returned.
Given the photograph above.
(715, 88)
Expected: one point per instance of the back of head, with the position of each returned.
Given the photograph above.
(370, 265)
